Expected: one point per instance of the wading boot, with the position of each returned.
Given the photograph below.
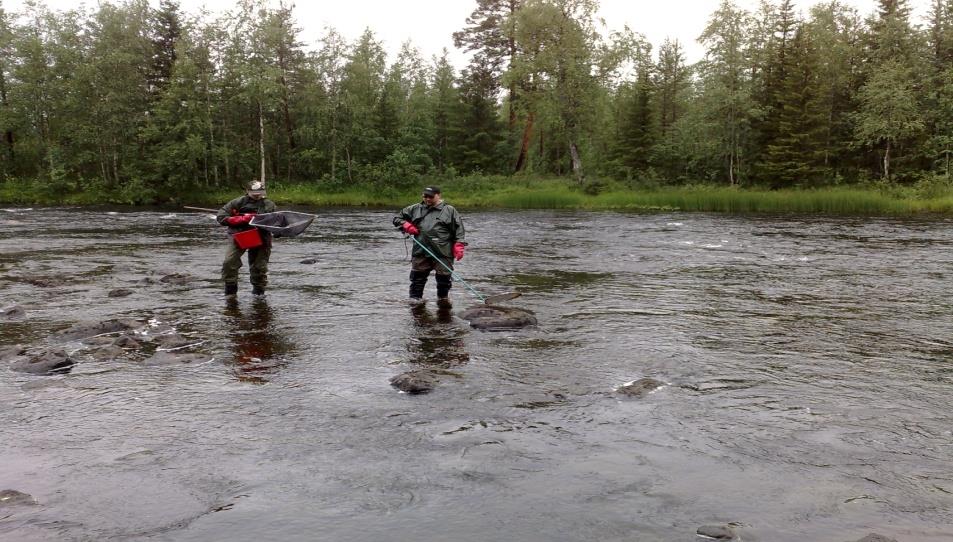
(418, 280)
(231, 288)
(258, 290)
(444, 283)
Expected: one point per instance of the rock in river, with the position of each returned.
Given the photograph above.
(44, 362)
(419, 381)
(493, 317)
(718, 532)
(10, 352)
(873, 537)
(640, 387)
(172, 358)
(12, 497)
(13, 312)
(119, 292)
(89, 329)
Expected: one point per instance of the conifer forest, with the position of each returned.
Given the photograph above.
(146, 100)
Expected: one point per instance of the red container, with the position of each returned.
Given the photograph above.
(247, 239)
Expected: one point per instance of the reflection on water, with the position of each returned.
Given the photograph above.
(257, 342)
(438, 338)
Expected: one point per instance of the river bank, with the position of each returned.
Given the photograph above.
(515, 193)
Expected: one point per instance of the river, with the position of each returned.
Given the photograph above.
(808, 365)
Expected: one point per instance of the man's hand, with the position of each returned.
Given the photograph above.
(239, 219)
(409, 228)
(458, 250)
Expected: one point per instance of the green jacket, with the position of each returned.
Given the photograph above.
(242, 205)
(440, 227)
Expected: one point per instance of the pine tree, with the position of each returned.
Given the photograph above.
(889, 116)
(727, 88)
(167, 29)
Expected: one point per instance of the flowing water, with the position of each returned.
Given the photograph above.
(809, 364)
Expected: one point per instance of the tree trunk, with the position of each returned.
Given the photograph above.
(887, 162)
(524, 143)
(261, 140)
(576, 162)
(211, 134)
(347, 151)
(8, 134)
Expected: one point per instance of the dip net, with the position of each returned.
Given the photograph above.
(283, 223)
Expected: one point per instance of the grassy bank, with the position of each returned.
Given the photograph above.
(504, 193)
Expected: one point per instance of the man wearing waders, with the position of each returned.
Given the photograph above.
(236, 214)
(438, 227)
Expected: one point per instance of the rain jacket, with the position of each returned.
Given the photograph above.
(243, 205)
(440, 227)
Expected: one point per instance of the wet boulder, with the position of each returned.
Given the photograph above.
(125, 341)
(90, 329)
(13, 312)
(873, 537)
(717, 532)
(107, 353)
(497, 317)
(173, 358)
(178, 279)
(414, 382)
(8, 353)
(44, 362)
(309, 261)
(171, 341)
(12, 497)
(639, 388)
(119, 292)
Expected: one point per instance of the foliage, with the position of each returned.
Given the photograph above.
(130, 101)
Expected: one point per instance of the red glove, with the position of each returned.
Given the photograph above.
(239, 219)
(458, 249)
(409, 228)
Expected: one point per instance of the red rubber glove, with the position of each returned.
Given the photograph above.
(239, 219)
(409, 228)
(458, 249)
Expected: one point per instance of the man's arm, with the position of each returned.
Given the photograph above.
(227, 210)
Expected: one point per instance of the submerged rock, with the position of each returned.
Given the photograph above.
(107, 353)
(119, 292)
(309, 261)
(173, 340)
(718, 532)
(177, 279)
(873, 537)
(44, 362)
(418, 381)
(125, 341)
(10, 352)
(172, 358)
(13, 312)
(12, 497)
(493, 317)
(90, 329)
(640, 387)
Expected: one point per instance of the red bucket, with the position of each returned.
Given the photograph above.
(247, 239)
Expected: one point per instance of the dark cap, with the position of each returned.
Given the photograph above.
(431, 190)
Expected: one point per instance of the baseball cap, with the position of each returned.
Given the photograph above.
(431, 190)
(256, 188)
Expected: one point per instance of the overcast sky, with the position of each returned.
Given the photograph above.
(429, 24)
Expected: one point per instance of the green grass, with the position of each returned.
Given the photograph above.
(528, 193)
